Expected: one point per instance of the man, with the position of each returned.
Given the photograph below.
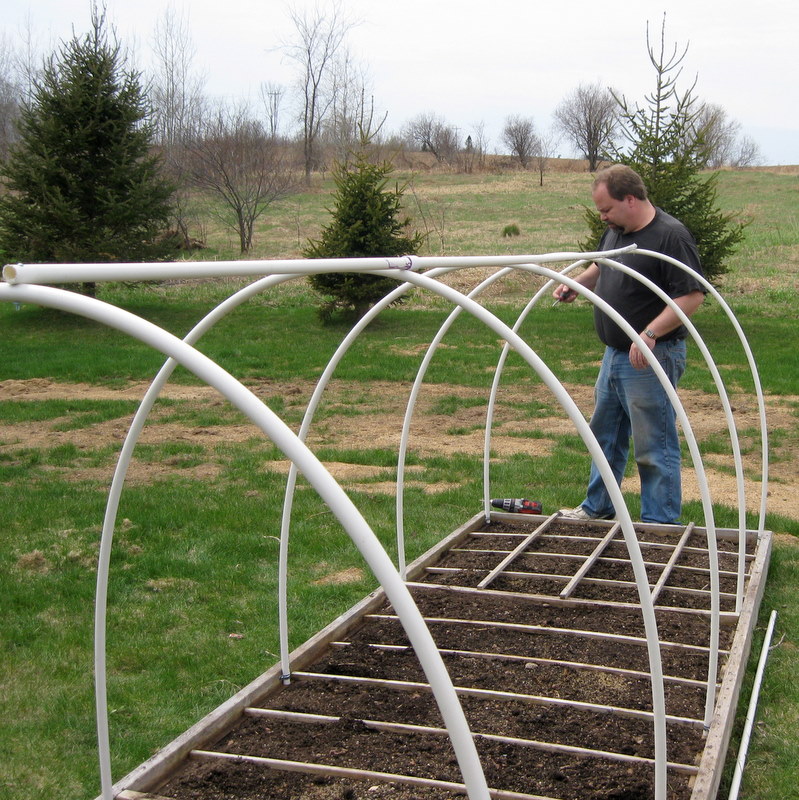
(629, 399)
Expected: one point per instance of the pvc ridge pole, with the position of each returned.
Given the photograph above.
(623, 515)
(99, 272)
(349, 516)
(762, 412)
(750, 714)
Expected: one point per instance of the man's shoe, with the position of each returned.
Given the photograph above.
(581, 514)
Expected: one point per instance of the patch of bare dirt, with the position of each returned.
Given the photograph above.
(374, 420)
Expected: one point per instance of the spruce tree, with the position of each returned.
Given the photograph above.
(82, 184)
(366, 223)
(666, 148)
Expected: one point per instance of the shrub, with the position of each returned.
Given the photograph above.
(366, 223)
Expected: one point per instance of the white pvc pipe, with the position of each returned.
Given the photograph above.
(99, 272)
(743, 748)
(345, 511)
(623, 515)
(492, 397)
(763, 426)
(426, 362)
(712, 546)
(112, 509)
(182, 270)
(636, 559)
(698, 466)
(654, 671)
(411, 405)
(291, 480)
(476, 261)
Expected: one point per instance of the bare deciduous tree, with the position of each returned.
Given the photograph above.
(543, 155)
(747, 153)
(352, 119)
(520, 137)
(10, 97)
(176, 91)
(431, 134)
(588, 118)
(233, 158)
(177, 97)
(722, 140)
(319, 38)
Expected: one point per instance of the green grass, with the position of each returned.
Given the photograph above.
(195, 555)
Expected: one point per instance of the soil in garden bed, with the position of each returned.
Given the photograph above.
(557, 693)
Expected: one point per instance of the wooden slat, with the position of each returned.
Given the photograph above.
(602, 560)
(664, 576)
(727, 618)
(710, 768)
(522, 628)
(397, 727)
(589, 562)
(493, 694)
(518, 550)
(330, 771)
(553, 662)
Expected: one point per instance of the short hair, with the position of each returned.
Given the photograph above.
(621, 181)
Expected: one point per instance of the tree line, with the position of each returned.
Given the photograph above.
(85, 126)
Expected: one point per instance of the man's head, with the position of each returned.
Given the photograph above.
(620, 197)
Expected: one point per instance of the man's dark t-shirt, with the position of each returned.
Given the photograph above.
(634, 301)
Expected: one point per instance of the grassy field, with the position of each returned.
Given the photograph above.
(192, 599)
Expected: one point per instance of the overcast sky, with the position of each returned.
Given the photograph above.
(473, 61)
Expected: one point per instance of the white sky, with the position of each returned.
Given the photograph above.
(472, 61)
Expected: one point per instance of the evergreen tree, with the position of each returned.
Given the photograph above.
(366, 223)
(82, 184)
(665, 150)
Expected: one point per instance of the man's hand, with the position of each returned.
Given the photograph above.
(637, 358)
(563, 294)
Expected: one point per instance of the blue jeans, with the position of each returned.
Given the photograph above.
(630, 401)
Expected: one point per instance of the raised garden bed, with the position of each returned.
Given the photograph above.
(549, 660)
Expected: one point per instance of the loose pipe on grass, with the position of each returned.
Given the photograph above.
(743, 747)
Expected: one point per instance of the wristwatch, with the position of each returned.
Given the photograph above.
(650, 333)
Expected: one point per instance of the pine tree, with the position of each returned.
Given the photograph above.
(665, 149)
(366, 223)
(82, 183)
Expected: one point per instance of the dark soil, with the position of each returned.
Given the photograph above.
(548, 688)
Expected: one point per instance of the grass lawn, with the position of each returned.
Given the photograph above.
(192, 606)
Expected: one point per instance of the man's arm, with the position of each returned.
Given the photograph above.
(664, 323)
